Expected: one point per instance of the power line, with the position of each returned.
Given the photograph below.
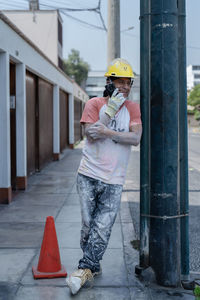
(81, 21)
(100, 15)
(71, 9)
(14, 3)
(96, 10)
(13, 6)
(193, 47)
(63, 10)
(63, 2)
(130, 34)
(102, 20)
(127, 29)
(71, 3)
(22, 2)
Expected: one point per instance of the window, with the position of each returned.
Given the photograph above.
(91, 85)
(96, 81)
(197, 76)
(195, 68)
(60, 63)
(60, 32)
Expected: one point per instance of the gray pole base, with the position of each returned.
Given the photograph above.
(188, 284)
(139, 270)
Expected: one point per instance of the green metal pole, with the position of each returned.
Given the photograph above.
(145, 141)
(164, 243)
(183, 142)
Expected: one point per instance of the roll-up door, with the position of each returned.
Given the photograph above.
(64, 121)
(77, 117)
(32, 123)
(45, 102)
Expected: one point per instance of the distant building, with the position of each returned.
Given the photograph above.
(43, 28)
(193, 76)
(95, 85)
(135, 91)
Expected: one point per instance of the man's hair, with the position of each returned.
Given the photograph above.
(113, 78)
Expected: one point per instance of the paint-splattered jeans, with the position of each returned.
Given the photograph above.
(100, 203)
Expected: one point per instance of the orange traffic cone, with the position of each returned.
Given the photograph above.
(49, 265)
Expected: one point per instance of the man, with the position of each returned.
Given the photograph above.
(112, 124)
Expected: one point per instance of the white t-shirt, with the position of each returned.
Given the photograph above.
(105, 159)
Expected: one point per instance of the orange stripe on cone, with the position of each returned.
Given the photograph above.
(49, 264)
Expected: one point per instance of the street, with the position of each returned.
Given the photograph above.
(194, 149)
(194, 196)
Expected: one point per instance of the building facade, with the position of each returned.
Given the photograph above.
(43, 28)
(38, 109)
(95, 84)
(193, 76)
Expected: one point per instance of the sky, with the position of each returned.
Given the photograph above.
(92, 42)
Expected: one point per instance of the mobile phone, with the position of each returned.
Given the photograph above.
(110, 87)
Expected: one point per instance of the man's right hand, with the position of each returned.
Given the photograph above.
(114, 103)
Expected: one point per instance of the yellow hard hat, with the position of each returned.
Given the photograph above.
(119, 68)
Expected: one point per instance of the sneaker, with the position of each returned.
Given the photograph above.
(96, 273)
(78, 278)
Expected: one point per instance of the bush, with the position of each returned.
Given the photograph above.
(194, 97)
(76, 67)
(197, 115)
(197, 291)
(194, 101)
(191, 112)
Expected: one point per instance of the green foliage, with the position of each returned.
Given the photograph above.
(194, 97)
(75, 67)
(197, 115)
(190, 112)
(197, 290)
(194, 100)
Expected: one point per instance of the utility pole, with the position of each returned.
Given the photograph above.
(164, 177)
(33, 5)
(113, 30)
(165, 201)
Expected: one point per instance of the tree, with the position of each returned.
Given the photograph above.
(76, 67)
(194, 97)
(194, 100)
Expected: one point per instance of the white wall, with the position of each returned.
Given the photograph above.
(41, 27)
(22, 52)
(191, 80)
(79, 93)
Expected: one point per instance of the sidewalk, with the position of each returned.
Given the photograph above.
(53, 192)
